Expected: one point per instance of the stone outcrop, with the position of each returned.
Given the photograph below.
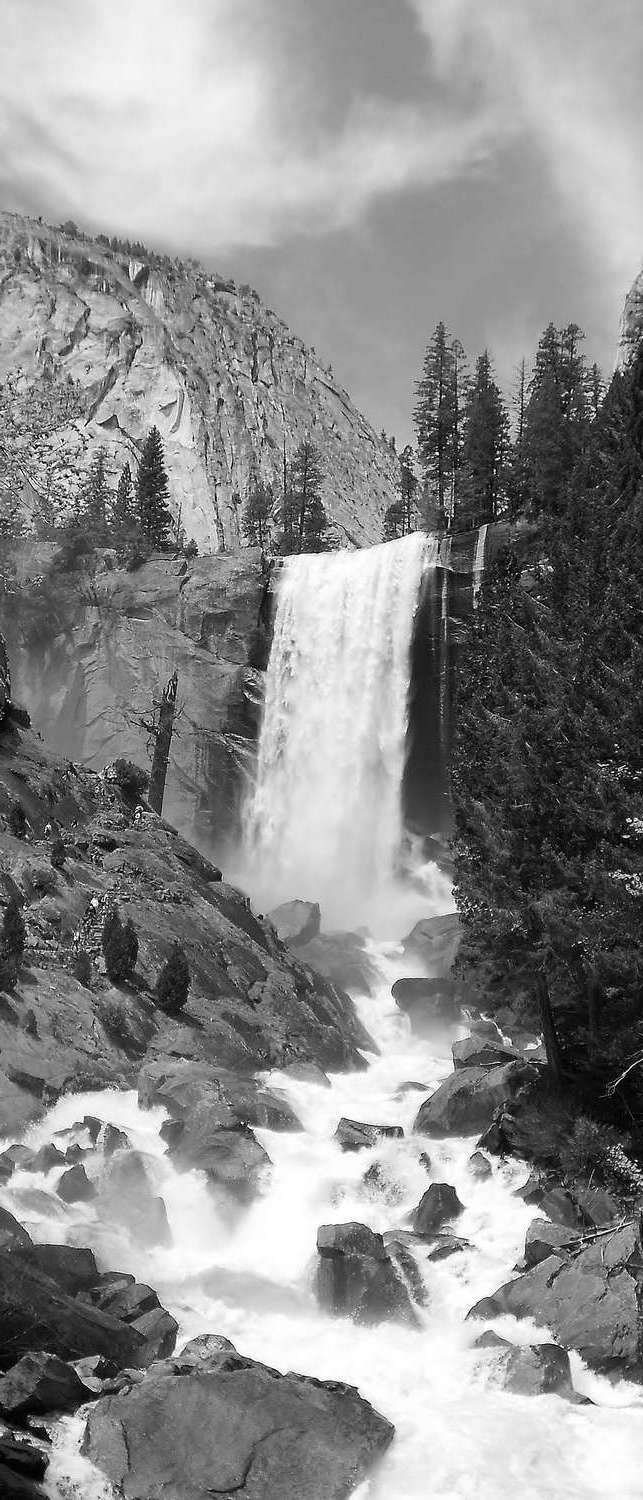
(252, 1004)
(148, 340)
(355, 1135)
(439, 1205)
(469, 1099)
(357, 1276)
(591, 1300)
(91, 651)
(297, 922)
(211, 1421)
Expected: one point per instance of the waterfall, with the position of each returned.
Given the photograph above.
(324, 820)
(478, 562)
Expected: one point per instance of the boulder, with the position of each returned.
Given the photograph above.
(75, 1186)
(15, 1158)
(159, 1329)
(591, 1302)
(467, 1100)
(12, 1233)
(536, 1370)
(127, 1192)
(123, 1298)
(354, 1135)
(40, 1383)
(212, 1422)
(435, 941)
(73, 1268)
(544, 1239)
(475, 1052)
(115, 1140)
(479, 1165)
(438, 1205)
(22, 1464)
(357, 1277)
(341, 957)
(306, 1072)
(430, 1004)
(233, 1100)
(35, 1312)
(445, 1245)
(232, 1158)
(47, 1157)
(296, 922)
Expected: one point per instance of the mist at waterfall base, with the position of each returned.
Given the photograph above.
(323, 821)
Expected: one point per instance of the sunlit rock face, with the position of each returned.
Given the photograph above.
(631, 322)
(160, 341)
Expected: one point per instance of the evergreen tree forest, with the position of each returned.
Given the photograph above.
(294, 520)
(548, 761)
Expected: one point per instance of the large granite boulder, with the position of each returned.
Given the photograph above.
(476, 1052)
(355, 1135)
(343, 958)
(591, 1301)
(231, 1156)
(430, 1004)
(297, 922)
(544, 1239)
(36, 1313)
(40, 1383)
(439, 1205)
(181, 1084)
(357, 1276)
(220, 1424)
(435, 942)
(468, 1099)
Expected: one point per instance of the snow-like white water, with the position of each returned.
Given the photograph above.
(324, 819)
(249, 1274)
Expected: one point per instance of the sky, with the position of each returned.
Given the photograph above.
(369, 166)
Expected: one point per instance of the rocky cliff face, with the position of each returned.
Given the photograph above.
(91, 650)
(151, 340)
(632, 322)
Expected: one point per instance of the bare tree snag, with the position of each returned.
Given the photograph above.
(163, 740)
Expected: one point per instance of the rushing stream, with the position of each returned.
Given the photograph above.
(248, 1273)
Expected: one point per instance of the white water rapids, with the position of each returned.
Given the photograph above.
(326, 824)
(248, 1273)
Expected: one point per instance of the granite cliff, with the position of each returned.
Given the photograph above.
(631, 332)
(150, 340)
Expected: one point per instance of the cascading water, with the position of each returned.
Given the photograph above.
(478, 561)
(324, 820)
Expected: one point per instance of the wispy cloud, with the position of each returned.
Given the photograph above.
(182, 118)
(568, 76)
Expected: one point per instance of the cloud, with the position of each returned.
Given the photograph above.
(568, 78)
(187, 120)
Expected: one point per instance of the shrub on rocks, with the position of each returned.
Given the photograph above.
(173, 983)
(12, 945)
(81, 968)
(17, 820)
(120, 947)
(58, 853)
(132, 779)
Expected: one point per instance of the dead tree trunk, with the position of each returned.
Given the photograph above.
(550, 1038)
(162, 745)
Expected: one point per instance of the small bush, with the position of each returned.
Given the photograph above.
(38, 879)
(132, 779)
(190, 549)
(115, 1020)
(173, 983)
(31, 1027)
(120, 948)
(586, 1147)
(81, 968)
(58, 853)
(14, 935)
(17, 819)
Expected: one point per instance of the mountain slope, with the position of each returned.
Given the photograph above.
(148, 339)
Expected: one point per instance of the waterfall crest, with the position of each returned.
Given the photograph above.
(324, 820)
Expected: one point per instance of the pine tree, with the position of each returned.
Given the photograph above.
(556, 417)
(124, 519)
(14, 934)
(437, 416)
(408, 490)
(484, 448)
(173, 983)
(393, 521)
(152, 493)
(257, 512)
(120, 947)
(304, 516)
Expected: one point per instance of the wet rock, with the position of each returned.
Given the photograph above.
(40, 1383)
(544, 1239)
(198, 1352)
(126, 1299)
(536, 1370)
(159, 1329)
(430, 1004)
(115, 1140)
(479, 1166)
(425, 1161)
(406, 1264)
(229, 1425)
(435, 940)
(341, 957)
(307, 1072)
(95, 1367)
(74, 1185)
(73, 1268)
(354, 1135)
(296, 922)
(22, 1464)
(232, 1100)
(591, 1302)
(379, 1185)
(475, 1052)
(446, 1245)
(438, 1205)
(491, 1340)
(231, 1158)
(12, 1234)
(468, 1099)
(596, 1207)
(356, 1276)
(47, 1157)
(15, 1158)
(35, 1312)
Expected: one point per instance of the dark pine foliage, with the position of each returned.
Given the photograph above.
(152, 493)
(12, 945)
(58, 853)
(173, 983)
(548, 764)
(120, 948)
